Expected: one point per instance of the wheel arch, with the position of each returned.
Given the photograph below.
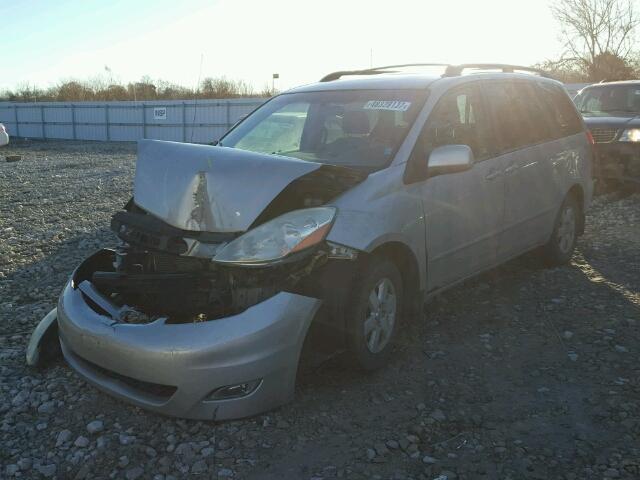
(405, 260)
(335, 281)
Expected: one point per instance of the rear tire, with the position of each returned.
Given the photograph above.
(373, 317)
(559, 249)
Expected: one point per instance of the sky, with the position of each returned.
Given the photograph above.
(46, 41)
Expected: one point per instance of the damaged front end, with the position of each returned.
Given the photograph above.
(184, 263)
(150, 283)
(205, 301)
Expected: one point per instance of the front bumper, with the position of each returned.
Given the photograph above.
(172, 368)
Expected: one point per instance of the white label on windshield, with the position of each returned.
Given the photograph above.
(394, 105)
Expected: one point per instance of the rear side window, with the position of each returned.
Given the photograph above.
(534, 113)
(527, 113)
(511, 123)
(561, 113)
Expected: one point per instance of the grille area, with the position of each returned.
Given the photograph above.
(159, 393)
(604, 135)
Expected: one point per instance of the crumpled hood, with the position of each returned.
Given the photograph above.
(210, 189)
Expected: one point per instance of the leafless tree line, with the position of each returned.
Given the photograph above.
(106, 89)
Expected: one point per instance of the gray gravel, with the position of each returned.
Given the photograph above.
(524, 372)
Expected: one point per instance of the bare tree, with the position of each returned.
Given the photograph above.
(593, 28)
(221, 87)
(103, 88)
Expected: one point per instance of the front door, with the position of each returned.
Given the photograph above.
(463, 211)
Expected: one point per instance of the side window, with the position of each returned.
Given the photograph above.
(534, 113)
(563, 118)
(458, 119)
(591, 102)
(509, 116)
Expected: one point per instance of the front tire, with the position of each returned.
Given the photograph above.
(373, 318)
(559, 249)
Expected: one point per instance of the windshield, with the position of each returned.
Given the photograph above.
(362, 128)
(605, 100)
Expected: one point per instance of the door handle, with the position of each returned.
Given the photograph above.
(493, 175)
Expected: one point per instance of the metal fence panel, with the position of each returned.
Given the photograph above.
(59, 131)
(163, 133)
(30, 130)
(125, 114)
(200, 121)
(29, 114)
(125, 133)
(91, 132)
(57, 115)
(90, 115)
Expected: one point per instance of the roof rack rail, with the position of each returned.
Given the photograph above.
(456, 70)
(450, 70)
(377, 70)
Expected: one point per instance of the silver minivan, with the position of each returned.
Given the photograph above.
(326, 216)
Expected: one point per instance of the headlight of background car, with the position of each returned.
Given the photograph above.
(282, 236)
(630, 135)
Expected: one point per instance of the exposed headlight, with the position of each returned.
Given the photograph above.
(289, 233)
(630, 135)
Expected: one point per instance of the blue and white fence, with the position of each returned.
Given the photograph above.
(200, 121)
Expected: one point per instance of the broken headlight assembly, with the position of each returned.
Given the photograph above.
(276, 239)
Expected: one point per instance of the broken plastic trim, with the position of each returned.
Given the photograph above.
(43, 344)
(218, 291)
(136, 227)
(341, 252)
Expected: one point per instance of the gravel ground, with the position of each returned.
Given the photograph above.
(524, 372)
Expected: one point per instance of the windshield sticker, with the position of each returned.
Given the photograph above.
(393, 105)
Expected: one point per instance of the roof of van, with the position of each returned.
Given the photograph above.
(398, 81)
(387, 81)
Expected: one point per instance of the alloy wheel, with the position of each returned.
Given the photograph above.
(381, 315)
(567, 229)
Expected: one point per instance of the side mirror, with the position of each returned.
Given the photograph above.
(450, 159)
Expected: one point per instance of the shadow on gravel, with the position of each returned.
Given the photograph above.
(491, 362)
(599, 267)
(522, 299)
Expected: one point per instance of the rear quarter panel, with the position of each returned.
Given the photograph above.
(571, 163)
